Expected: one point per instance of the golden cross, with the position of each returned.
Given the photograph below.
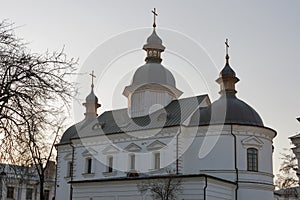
(227, 46)
(154, 17)
(93, 76)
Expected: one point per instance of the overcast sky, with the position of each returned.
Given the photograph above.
(263, 36)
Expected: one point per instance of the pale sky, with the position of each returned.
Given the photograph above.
(263, 36)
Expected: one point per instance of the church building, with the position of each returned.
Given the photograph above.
(208, 150)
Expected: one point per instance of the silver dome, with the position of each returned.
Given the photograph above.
(153, 73)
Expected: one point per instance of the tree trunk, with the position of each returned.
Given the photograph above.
(42, 187)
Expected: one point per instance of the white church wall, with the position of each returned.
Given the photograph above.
(147, 101)
(193, 188)
(250, 191)
(219, 162)
(64, 156)
(210, 152)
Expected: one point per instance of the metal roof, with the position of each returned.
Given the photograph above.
(118, 121)
(228, 109)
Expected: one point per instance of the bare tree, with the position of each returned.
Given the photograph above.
(164, 188)
(287, 177)
(35, 90)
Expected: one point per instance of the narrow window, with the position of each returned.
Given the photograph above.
(10, 192)
(69, 169)
(29, 193)
(89, 165)
(132, 161)
(110, 164)
(252, 159)
(157, 160)
(46, 194)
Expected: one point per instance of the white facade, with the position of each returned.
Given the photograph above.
(219, 163)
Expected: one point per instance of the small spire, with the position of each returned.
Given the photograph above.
(227, 47)
(91, 101)
(93, 76)
(154, 17)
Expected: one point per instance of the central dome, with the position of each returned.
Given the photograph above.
(153, 73)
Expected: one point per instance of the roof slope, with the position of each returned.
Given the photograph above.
(118, 121)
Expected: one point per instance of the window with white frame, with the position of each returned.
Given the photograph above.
(252, 159)
(157, 160)
(110, 161)
(132, 161)
(88, 165)
(69, 168)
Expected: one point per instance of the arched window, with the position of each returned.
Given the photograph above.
(252, 159)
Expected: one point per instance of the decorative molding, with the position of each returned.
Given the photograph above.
(88, 175)
(89, 152)
(252, 141)
(133, 148)
(111, 149)
(156, 145)
(107, 174)
(68, 157)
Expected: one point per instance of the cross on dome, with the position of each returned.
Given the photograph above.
(227, 47)
(93, 76)
(154, 17)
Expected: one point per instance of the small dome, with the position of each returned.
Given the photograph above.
(228, 109)
(91, 98)
(227, 71)
(153, 73)
(154, 42)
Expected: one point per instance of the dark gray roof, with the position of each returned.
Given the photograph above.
(118, 121)
(228, 109)
(295, 136)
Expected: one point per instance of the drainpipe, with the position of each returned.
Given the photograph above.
(55, 180)
(177, 150)
(71, 188)
(235, 163)
(204, 189)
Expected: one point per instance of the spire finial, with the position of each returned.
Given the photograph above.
(227, 47)
(154, 17)
(93, 76)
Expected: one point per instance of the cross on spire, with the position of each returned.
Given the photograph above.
(93, 76)
(227, 47)
(154, 17)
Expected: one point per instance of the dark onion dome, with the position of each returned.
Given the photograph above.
(91, 98)
(153, 73)
(227, 71)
